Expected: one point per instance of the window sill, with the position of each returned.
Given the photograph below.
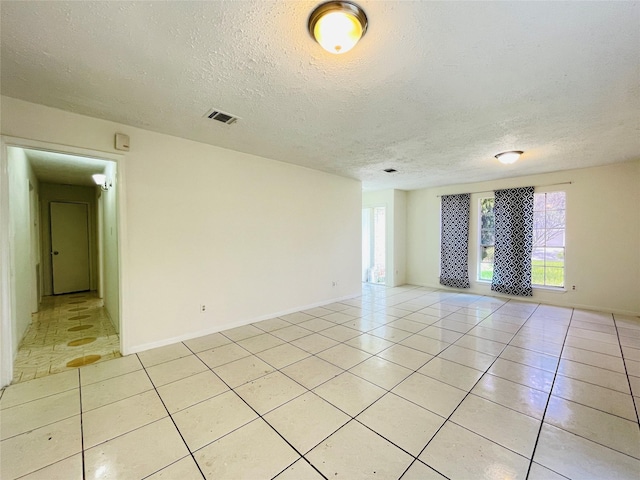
(535, 287)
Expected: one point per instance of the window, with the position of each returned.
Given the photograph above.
(547, 256)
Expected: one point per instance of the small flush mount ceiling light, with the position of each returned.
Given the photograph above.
(509, 157)
(337, 26)
(101, 180)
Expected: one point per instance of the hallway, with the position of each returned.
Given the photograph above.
(69, 331)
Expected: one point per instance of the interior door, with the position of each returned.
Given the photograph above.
(69, 247)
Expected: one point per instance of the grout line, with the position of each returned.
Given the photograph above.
(81, 427)
(626, 371)
(172, 420)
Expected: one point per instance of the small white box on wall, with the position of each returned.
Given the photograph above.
(122, 142)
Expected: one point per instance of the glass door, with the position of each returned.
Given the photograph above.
(374, 237)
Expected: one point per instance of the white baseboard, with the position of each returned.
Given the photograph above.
(227, 326)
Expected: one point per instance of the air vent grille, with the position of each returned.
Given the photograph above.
(390, 170)
(220, 116)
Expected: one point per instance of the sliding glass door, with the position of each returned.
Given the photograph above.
(374, 236)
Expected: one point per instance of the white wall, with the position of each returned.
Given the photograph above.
(110, 260)
(52, 192)
(20, 177)
(246, 236)
(602, 236)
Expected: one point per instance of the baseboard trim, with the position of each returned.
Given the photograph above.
(227, 326)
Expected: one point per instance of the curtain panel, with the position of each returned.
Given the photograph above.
(454, 240)
(513, 209)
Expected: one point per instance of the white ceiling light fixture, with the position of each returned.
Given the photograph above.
(337, 26)
(509, 157)
(101, 180)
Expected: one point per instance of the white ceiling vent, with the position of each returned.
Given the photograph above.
(220, 116)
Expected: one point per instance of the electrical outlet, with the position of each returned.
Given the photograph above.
(203, 308)
(334, 283)
(573, 287)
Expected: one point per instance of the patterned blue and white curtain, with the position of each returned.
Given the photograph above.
(513, 209)
(454, 240)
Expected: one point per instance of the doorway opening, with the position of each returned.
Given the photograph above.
(64, 256)
(374, 239)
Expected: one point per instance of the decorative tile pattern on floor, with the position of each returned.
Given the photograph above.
(59, 338)
(401, 382)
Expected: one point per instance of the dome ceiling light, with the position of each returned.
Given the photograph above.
(509, 157)
(337, 26)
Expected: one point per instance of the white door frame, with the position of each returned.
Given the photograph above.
(7, 287)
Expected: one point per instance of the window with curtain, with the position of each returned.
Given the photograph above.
(454, 240)
(513, 216)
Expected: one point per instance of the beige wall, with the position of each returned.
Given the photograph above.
(110, 260)
(602, 236)
(246, 236)
(22, 242)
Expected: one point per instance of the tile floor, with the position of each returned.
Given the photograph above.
(402, 382)
(68, 328)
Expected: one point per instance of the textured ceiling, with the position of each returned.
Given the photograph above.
(434, 89)
(51, 167)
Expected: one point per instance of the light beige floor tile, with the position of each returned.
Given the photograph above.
(364, 324)
(635, 385)
(425, 344)
(538, 345)
(317, 311)
(259, 343)
(633, 368)
(112, 368)
(442, 398)
(174, 370)
(453, 325)
(208, 342)
(296, 317)
(593, 345)
(631, 353)
(242, 371)
(491, 334)
(289, 334)
(355, 452)
(227, 457)
(207, 421)
(370, 343)
(343, 356)
(40, 447)
(314, 343)
(488, 420)
(538, 472)
(240, 333)
(349, 393)
(191, 390)
(470, 358)
(600, 427)
(311, 372)
(409, 325)
(522, 374)
(482, 345)
(442, 334)
(316, 324)
(405, 356)
(482, 459)
(184, 469)
(137, 454)
(531, 358)
(300, 470)
(68, 469)
(390, 333)
(518, 397)
(340, 333)
(592, 335)
(38, 413)
(114, 389)
(577, 458)
(117, 418)
(283, 355)
(35, 389)
(223, 354)
(454, 374)
(594, 396)
(420, 471)
(381, 372)
(159, 355)
(500, 325)
(338, 317)
(272, 324)
(306, 421)
(595, 375)
(270, 391)
(402, 422)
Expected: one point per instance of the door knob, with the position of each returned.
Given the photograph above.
(55, 252)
